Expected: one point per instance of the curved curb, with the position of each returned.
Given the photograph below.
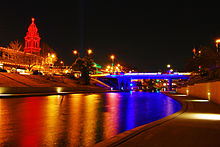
(123, 137)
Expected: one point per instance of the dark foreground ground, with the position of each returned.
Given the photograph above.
(196, 125)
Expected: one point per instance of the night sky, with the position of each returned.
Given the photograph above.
(145, 35)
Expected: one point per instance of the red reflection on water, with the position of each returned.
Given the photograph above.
(3, 122)
(30, 121)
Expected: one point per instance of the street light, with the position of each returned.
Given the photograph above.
(217, 45)
(75, 52)
(89, 51)
(53, 55)
(168, 65)
(112, 57)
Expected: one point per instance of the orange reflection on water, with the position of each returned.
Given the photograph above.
(51, 125)
(111, 116)
(89, 130)
(75, 124)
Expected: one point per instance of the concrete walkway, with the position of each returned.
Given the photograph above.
(196, 125)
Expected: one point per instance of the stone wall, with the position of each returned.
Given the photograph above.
(210, 91)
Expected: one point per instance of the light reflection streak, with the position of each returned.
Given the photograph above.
(111, 116)
(169, 106)
(3, 122)
(89, 130)
(75, 124)
(51, 123)
(130, 114)
(29, 122)
(203, 116)
(197, 100)
(180, 95)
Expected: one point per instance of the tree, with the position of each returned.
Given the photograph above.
(15, 45)
(45, 49)
(85, 66)
(204, 59)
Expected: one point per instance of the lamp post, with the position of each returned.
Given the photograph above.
(217, 51)
(62, 63)
(112, 57)
(217, 45)
(168, 68)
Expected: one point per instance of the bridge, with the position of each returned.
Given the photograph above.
(123, 81)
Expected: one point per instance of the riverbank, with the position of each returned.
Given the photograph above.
(197, 124)
(12, 84)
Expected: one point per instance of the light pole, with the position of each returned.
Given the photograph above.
(217, 51)
(168, 68)
(112, 57)
(217, 45)
(62, 64)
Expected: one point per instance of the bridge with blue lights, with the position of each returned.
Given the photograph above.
(124, 80)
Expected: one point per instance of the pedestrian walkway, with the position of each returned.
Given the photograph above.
(196, 125)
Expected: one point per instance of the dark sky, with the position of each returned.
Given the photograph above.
(145, 35)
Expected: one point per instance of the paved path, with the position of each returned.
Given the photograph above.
(196, 125)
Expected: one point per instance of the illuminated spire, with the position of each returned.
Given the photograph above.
(32, 39)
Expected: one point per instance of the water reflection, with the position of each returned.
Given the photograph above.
(78, 119)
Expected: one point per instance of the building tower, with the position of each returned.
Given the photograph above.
(32, 40)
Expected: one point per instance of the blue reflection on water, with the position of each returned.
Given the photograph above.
(139, 108)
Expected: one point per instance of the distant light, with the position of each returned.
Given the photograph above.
(59, 89)
(112, 57)
(187, 92)
(217, 41)
(209, 96)
(168, 65)
(75, 52)
(89, 51)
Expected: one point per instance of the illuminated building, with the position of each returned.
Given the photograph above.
(11, 58)
(32, 39)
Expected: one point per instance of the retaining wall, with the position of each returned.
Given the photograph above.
(209, 90)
